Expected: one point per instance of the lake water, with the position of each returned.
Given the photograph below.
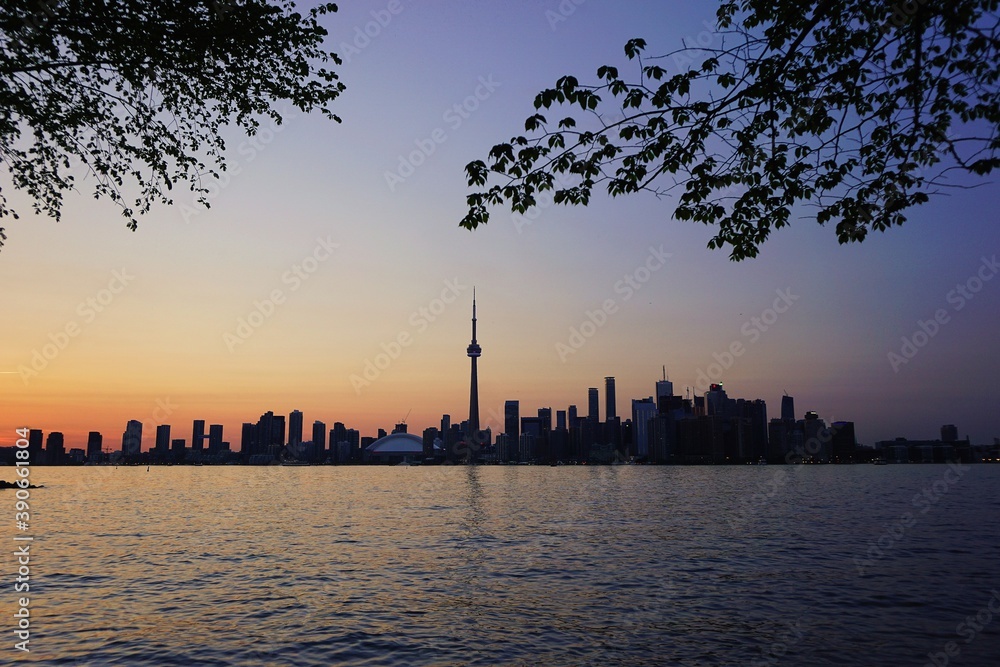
(510, 565)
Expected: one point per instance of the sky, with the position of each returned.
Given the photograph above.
(330, 274)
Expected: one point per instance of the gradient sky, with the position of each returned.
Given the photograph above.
(191, 274)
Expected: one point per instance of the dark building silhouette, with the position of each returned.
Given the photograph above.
(262, 442)
(787, 408)
(843, 443)
(198, 435)
(593, 404)
(949, 433)
(295, 428)
(429, 436)
(319, 441)
(215, 444)
(161, 449)
(511, 420)
(35, 439)
(610, 405)
(177, 449)
(55, 449)
(95, 442)
(132, 439)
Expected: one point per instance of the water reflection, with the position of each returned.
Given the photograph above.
(504, 565)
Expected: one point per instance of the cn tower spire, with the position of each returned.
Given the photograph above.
(474, 351)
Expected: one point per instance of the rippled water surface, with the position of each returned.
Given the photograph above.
(511, 565)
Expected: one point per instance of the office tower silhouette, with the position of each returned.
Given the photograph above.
(295, 428)
(55, 448)
(593, 405)
(132, 438)
(215, 438)
(198, 435)
(787, 408)
(94, 443)
(162, 446)
(319, 440)
(610, 409)
(512, 420)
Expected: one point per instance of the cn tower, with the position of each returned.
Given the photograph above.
(474, 351)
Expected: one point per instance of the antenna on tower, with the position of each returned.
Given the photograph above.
(664, 372)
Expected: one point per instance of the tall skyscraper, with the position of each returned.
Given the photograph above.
(787, 408)
(611, 409)
(593, 405)
(474, 351)
(198, 435)
(132, 438)
(643, 410)
(94, 443)
(55, 449)
(545, 419)
(664, 388)
(949, 433)
(319, 440)
(512, 420)
(35, 444)
(295, 428)
(215, 438)
(162, 446)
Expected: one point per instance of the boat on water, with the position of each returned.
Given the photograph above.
(879, 462)
(295, 463)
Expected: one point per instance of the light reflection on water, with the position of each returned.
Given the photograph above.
(511, 565)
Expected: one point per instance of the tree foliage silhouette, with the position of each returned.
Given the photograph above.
(860, 109)
(134, 94)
